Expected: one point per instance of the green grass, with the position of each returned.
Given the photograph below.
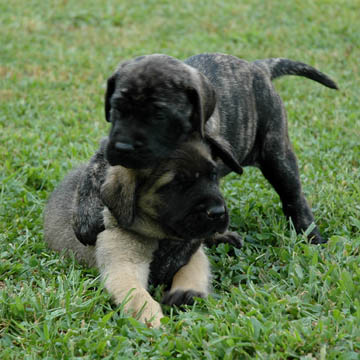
(278, 298)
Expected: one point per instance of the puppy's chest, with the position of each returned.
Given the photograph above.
(168, 258)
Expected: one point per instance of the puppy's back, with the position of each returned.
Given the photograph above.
(58, 231)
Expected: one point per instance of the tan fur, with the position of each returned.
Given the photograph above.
(148, 200)
(202, 149)
(119, 188)
(123, 259)
(194, 275)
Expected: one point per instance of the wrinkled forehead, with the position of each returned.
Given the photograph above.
(191, 159)
(155, 71)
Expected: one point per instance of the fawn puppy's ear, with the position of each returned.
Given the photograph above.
(118, 194)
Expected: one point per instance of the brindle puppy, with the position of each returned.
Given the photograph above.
(153, 102)
(173, 208)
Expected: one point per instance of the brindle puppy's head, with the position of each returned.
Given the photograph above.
(180, 199)
(153, 103)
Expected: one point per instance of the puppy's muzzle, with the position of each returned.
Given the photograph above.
(132, 155)
(203, 221)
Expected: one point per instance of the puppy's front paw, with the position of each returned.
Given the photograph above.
(230, 237)
(143, 307)
(151, 315)
(315, 238)
(182, 297)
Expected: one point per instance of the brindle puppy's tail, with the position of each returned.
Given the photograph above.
(277, 67)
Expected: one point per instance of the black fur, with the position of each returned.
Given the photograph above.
(181, 297)
(152, 108)
(154, 102)
(251, 117)
(278, 67)
(170, 256)
(195, 187)
(173, 208)
(93, 193)
(87, 220)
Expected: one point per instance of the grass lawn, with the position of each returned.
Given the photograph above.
(277, 298)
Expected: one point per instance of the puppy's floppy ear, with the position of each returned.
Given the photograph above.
(111, 86)
(118, 194)
(203, 97)
(222, 149)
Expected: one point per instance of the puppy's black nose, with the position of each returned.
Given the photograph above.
(128, 146)
(121, 146)
(216, 212)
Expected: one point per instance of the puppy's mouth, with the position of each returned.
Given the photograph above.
(134, 158)
(131, 162)
(137, 159)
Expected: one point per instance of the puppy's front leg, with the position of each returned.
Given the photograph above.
(192, 280)
(123, 262)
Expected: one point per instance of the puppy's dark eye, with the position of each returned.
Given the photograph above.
(159, 117)
(181, 178)
(183, 181)
(213, 175)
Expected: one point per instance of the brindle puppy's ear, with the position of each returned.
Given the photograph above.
(118, 194)
(203, 97)
(220, 148)
(111, 86)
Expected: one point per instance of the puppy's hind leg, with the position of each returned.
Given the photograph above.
(192, 280)
(123, 261)
(279, 166)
